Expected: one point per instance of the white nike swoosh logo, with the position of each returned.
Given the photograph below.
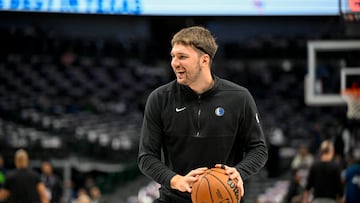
(180, 109)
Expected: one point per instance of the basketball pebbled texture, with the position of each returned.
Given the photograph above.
(214, 186)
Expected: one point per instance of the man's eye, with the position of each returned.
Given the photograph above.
(178, 57)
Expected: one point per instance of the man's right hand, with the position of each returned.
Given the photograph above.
(185, 183)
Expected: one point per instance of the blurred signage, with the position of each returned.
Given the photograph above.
(178, 7)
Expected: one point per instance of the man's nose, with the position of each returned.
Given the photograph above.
(174, 62)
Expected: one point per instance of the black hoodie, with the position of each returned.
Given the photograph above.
(183, 131)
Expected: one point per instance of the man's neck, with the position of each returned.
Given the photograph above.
(203, 86)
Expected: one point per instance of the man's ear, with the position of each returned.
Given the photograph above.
(206, 58)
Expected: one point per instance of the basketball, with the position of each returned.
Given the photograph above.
(215, 186)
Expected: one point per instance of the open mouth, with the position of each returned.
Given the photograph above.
(180, 74)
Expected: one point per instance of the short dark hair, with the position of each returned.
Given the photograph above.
(198, 37)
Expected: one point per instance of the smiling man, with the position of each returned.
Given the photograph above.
(198, 121)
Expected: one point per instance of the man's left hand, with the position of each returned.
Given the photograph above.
(233, 175)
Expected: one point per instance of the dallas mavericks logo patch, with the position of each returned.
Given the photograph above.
(219, 111)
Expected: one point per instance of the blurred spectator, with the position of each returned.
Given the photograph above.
(83, 198)
(324, 179)
(68, 58)
(296, 188)
(303, 159)
(95, 195)
(352, 178)
(2, 171)
(81, 191)
(22, 184)
(300, 166)
(52, 182)
(89, 182)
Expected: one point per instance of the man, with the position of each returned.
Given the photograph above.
(324, 178)
(52, 182)
(198, 121)
(22, 184)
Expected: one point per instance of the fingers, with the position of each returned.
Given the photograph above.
(182, 183)
(197, 172)
(223, 166)
(192, 177)
(241, 189)
(188, 188)
(233, 175)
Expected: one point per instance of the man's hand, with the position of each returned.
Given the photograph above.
(185, 183)
(233, 175)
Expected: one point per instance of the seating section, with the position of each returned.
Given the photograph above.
(55, 91)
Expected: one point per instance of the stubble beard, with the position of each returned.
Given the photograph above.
(190, 77)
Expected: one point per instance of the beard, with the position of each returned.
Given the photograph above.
(189, 77)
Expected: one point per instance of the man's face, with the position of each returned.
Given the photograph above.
(185, 61)
(46, 168)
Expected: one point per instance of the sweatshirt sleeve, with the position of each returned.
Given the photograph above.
(150, 146)
(255, 149)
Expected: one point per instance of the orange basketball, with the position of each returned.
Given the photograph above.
(215, 186)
